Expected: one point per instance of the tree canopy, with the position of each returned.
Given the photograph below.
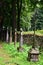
(25, 10)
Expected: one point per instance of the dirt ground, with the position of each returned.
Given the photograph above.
(7, 59)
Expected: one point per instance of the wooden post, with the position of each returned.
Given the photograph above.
(7, 36)
(10, 34)
(21, 38)
(20, 48)
(3, 34)
(15, 36)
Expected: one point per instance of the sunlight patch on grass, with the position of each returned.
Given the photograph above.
(38, 32)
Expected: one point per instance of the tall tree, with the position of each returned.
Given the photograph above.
(19, 7)
(14, 16)
(1, 17)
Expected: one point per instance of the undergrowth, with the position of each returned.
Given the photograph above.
(20, 58)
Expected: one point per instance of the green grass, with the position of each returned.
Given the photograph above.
(20, 58)
(38, 32)
(1, 61)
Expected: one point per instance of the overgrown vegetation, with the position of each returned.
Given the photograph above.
(1, 60)
(20, 58)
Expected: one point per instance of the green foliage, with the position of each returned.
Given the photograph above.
(25, 15)
(13, 51)
(21, 57)
(38, 19)
(28, 7)
(1, 61)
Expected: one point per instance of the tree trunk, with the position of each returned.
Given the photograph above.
(19, 6)
(14, 17)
